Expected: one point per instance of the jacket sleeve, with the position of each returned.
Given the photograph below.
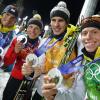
(10, 55)
(75, 93)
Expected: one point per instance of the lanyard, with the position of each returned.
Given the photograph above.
(70, 66)
(4, 41)
(45, 46)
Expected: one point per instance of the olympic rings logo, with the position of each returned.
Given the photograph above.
(93, 72)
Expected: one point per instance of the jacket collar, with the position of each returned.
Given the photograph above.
(91, 56)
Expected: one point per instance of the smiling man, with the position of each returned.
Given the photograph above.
(18, 52)
(55, 48)
(90, 36)
(8, 19)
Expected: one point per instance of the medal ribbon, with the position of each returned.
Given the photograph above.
(43, 48)
(70, 66)
(4, 41)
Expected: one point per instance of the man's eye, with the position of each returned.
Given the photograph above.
(84, 33)
(95, 32)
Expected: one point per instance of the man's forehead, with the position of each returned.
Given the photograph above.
(7, 13)
(90, 29)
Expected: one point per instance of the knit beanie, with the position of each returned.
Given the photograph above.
(11, 9)
(36, 19)
(93, 21)
(60, 10)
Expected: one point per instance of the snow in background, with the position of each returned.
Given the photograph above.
(4, 76)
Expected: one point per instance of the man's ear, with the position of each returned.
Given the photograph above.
(50, 23)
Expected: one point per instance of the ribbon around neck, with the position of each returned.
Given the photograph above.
(44, 47)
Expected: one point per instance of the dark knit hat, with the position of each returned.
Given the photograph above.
(61, 11)
(11, 9)
(36, 19)
(93, 21)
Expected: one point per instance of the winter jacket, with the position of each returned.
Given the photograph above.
(81, 85)
(18, 58)
(6, 37)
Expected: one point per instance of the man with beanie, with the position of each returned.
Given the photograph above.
(8, 19)
(55, 48)
(90, 38)
(87, 83)
(60, 11)
(60, 17)
(18, 52)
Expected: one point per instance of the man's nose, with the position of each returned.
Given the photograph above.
(89, 35)
(56, 23)
(9, 18)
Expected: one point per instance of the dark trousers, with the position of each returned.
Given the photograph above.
(12, 87)
(37, 96)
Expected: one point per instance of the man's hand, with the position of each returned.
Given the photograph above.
(49, 89)
(18, 46)
(27, 69)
